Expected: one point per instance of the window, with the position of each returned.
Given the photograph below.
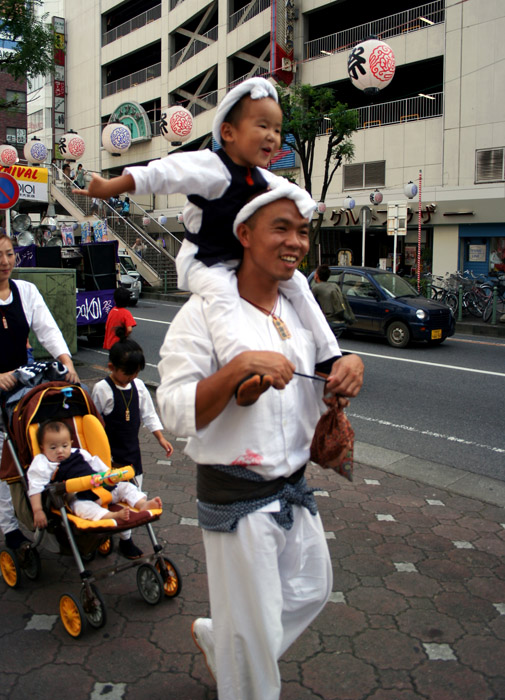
(16, 100)
(489, 165)
(361, 175)
(35, 121)
(15, 136)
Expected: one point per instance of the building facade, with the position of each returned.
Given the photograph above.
(440, 123)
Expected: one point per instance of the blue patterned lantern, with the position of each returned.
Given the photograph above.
(116, 138)
(35, 151)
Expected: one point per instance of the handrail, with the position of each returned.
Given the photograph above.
(193, 47)
(247, 12)
(385, 27)
(128, 81)
(131, 25)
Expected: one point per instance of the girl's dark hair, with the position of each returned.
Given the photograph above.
(126, 354)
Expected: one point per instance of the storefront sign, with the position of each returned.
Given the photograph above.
(32, 182)
(477, 253)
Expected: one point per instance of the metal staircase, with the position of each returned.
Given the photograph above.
(157, 264)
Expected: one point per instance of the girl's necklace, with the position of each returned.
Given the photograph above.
(279, 324)
(127, 405)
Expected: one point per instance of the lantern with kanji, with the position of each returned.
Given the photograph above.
(35, 151)
(371, 66)
(116, 138)
(176, 124)
(71, 146)
(8, 156)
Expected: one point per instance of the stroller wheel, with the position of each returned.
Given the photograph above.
(106, 548)
(172, 584)
(31, 565)
(9, 566)
(150, 584)
(94, 607)
(72, 615)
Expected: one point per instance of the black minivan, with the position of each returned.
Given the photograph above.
(386, 305)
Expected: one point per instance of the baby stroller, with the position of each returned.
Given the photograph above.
(157, 576)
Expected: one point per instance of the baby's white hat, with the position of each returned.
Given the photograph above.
(256, 88)
(278, 189)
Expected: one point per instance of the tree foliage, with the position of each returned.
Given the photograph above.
(35, 39)
(308, 113)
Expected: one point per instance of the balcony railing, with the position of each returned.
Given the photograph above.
(393, 25)
(174, 3)
(132, 24)
(195, 47)
(257, 72)
(397, 112)
(141, 76)
(210, 99)
(246, 13)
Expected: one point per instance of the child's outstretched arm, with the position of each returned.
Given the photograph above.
(101, 188)
(163, 442)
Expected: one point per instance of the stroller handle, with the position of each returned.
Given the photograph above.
(92, 481)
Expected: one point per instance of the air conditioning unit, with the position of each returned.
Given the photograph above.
(288, 65)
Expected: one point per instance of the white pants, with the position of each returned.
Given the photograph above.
(91, 510)
(8, 520)
(266, 585)
(218, 287)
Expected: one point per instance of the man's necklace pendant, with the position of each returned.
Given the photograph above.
(127, 414)
(281, 327)
(4, 321)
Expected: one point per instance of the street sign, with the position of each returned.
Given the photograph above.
(9, 191)
(397, 219)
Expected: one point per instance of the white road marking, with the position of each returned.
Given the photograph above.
(430, 364)
(429, 433)
(152, 320)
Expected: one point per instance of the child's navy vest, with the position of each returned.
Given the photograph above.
(215, 240)
(123, 435)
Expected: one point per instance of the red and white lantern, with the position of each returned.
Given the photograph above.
(145, 221)
(176, 124)
(371, 66)
(8, 156)
(71, 146)
(321, 207)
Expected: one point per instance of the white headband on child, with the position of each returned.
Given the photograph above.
(256, 88)
(283, 190)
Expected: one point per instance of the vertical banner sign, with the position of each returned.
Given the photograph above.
(58, 117)
(282, 65)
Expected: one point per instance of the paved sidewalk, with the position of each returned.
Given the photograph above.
(417, 610)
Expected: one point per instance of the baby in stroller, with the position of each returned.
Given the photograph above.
(59, 461)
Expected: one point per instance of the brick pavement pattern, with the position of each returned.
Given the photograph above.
(417, 609)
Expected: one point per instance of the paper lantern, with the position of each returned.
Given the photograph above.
(8, 156)
(145, 221)
(349, 203)
(321, 207)
(116, 138)
(71, 145)
(410, 190)
(162, 220)
(371, 66)
(180, 218)
(176, 124)
(376, 197)
(35, 151)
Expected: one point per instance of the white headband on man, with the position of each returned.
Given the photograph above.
(284, 190)
(256, 88)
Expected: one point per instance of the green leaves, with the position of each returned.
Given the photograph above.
(35, 40)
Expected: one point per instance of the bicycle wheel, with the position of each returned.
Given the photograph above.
(472, 304)
(451, 300)
(488, 310)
